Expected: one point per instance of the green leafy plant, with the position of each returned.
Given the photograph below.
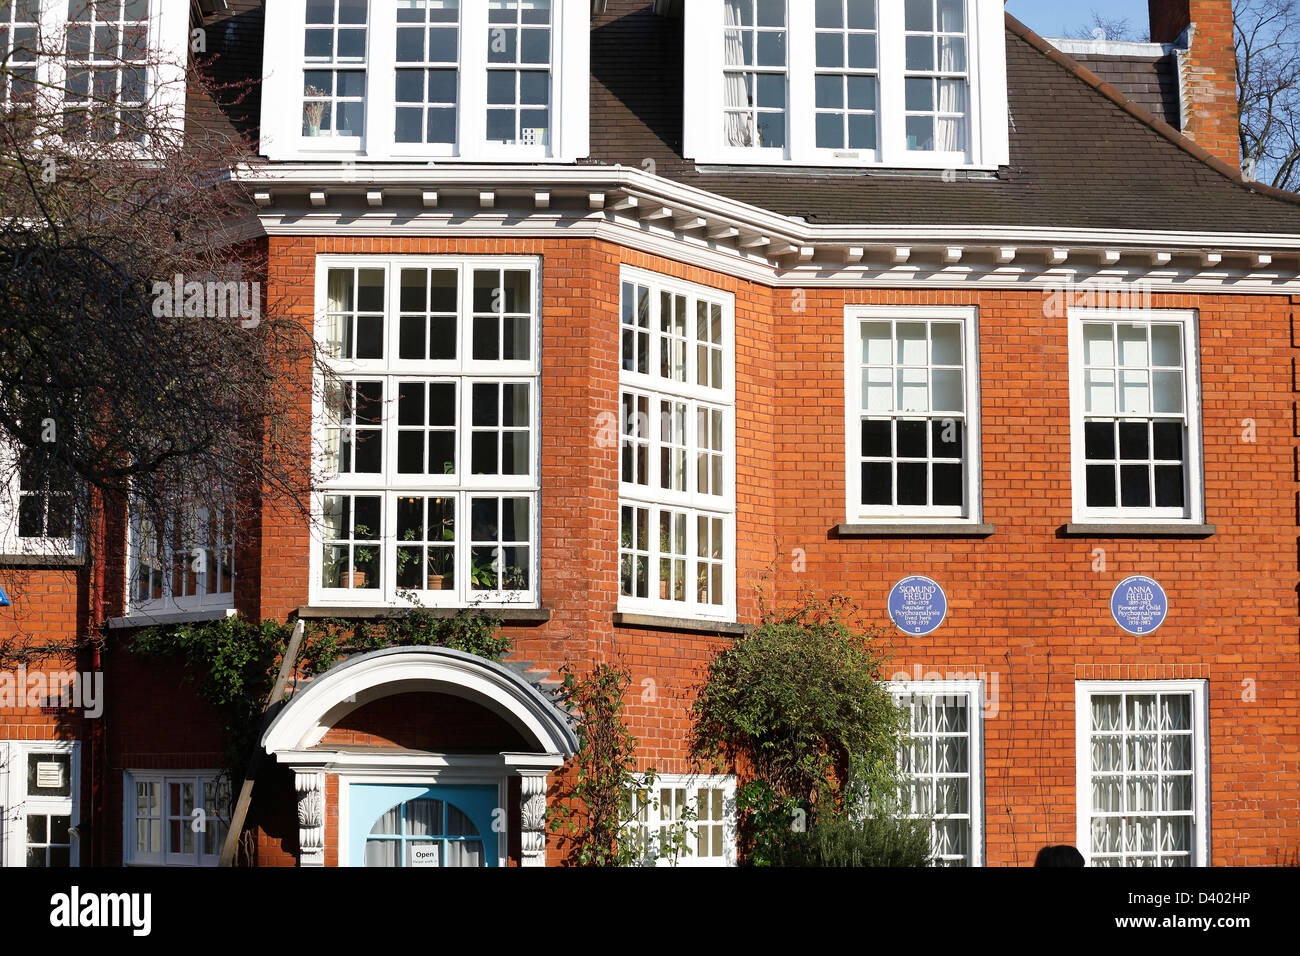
(799, 706)
(599, 813)
(232, 663)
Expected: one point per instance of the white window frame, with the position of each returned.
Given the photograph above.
(282, 88)
(987, 141)
(691, 502)
(972, 510)
(651, 816)
(162, 856)
(388, 485)
(15, 804)
(10, 497)
(169, 49)
(1084, 690)
(202, 601)
(1193, 512)
(973, 691)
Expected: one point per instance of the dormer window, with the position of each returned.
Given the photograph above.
(936, 80)
(754, 75)
(428, 61)
(519, 72)
(848, 75)
(911, 84)
(334, 77)
(501, 81)
(113, 68)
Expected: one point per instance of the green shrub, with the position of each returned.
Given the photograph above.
(800, 708)
(881, 840)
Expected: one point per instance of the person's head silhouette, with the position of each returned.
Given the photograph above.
(1061, 854)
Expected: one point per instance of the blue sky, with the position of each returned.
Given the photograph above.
(1056, 18)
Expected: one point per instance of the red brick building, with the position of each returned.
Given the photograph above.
(638, 310)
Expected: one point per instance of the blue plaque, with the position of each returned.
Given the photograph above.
(917, 605)
(4, 598)
(1139, 604)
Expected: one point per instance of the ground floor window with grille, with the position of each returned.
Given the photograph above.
(39, 804)
(684, 821)
(175, 819)
(1142, 766)
(942, 764)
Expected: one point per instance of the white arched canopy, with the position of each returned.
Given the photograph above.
(302, 722)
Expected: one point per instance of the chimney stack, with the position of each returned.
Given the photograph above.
(1207, 70)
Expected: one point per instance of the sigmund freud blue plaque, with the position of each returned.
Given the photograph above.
(1139, 604)
(917, 605)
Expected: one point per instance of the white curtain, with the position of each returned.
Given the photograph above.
(339, 296)
(464, 853)
(739, 127)
(951, 16)
(951, 133)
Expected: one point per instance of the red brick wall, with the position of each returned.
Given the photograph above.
(1026, 606)
(1212, 119)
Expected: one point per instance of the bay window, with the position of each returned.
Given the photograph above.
(912, 414)
(501, 80)
(427, 429)
(1135, 399)
(1143, 795)
(676, 450)
(910, 84)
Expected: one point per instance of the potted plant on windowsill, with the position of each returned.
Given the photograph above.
(313, 113)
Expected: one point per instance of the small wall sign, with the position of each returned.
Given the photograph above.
(917, 605)
(4, 598)
(428, 855)
(1139, 604)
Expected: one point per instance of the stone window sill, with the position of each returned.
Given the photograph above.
(507, 615)
(1157, 530)
(688, 624)
(949, 529)
(155, 618)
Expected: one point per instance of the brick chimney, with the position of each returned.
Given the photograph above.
(1207, 70)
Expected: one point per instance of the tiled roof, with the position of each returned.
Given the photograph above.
(1079, 157)
(1083, 154)
(1149, 81)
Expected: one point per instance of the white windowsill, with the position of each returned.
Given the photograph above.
(152, 618)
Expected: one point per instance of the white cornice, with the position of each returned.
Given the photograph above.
(630, 206)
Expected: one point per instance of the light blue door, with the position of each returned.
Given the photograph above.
(412, 825)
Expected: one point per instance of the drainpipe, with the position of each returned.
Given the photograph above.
(98, 571)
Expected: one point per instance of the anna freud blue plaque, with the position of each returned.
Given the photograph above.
(1139, 604)
(917, 605)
